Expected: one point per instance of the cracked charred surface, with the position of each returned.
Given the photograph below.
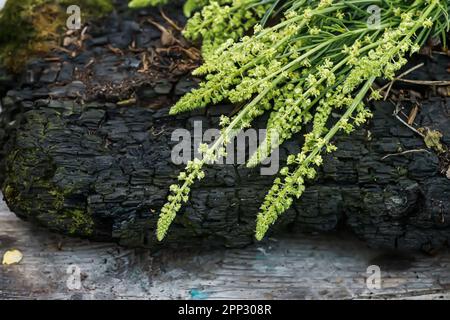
(77, 160)
(101, 171)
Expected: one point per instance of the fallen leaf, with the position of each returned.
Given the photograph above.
(12, 257)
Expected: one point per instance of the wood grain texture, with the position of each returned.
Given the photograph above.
(298, 267)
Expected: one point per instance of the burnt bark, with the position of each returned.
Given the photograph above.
(101, 170)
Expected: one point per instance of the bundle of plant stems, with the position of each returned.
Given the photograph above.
(316, 58)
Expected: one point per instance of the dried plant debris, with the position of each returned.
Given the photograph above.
(118, 60)
(432, 139)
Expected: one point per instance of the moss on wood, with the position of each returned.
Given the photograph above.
(53, 202)
(32, 27)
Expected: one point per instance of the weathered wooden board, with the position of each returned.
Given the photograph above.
(298, 267)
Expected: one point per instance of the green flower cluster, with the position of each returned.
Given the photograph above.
(221, 20)
(179, 194)
(322, 57)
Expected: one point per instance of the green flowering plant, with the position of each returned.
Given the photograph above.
(317, 57)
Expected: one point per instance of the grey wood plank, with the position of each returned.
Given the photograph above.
(295, 267)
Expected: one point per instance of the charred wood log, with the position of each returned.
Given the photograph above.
(101, 169)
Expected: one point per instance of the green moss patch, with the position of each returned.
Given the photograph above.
(33, 27)
(52, 204)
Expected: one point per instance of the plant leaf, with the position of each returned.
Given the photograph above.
(145, 3)
(189, 7)
(12, 257)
